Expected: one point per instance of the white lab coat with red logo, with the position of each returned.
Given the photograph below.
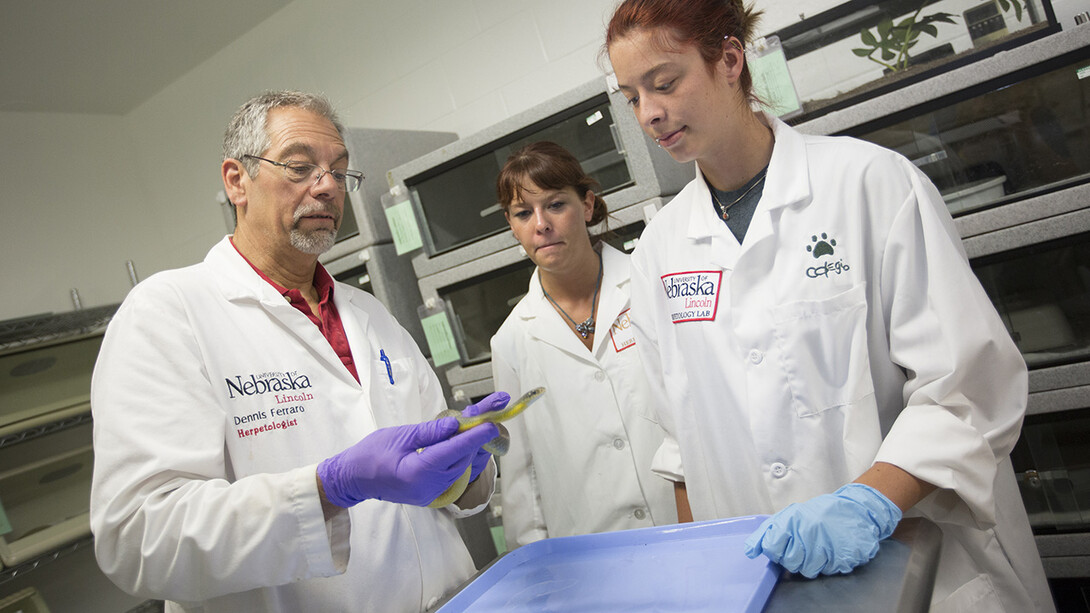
(847, 329)
(580, 458)
(214, 399)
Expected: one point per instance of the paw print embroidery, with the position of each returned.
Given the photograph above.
(821, 247)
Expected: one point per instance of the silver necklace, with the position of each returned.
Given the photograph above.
(722, 210)
(586, 328)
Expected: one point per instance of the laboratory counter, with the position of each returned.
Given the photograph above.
(899, 579)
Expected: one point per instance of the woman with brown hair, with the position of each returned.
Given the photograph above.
(580, 461)
(807, 312)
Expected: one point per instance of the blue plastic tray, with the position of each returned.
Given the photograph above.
(685, 567)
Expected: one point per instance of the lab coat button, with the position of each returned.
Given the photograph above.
(756, 356)
(639, 514)
(600, 375)
(618, 444)
(779, 470)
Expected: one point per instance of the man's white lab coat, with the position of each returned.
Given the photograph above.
(214, 399)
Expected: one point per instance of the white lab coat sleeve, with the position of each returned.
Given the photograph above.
(168, 520)
(477, 495)
(523, 517)
(965, 396)
(645, 317)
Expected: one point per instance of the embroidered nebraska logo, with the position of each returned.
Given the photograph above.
(692, 296)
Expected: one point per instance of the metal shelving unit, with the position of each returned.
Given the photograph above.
(39, 354)
(9, 574)
(50, 427)
(39, 329)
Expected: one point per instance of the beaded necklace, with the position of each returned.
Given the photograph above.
(586, 328)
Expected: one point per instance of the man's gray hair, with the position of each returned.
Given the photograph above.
(247, 134)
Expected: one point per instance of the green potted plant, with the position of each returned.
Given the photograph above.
(892, 42)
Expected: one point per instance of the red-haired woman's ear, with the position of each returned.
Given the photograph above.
(734, 57)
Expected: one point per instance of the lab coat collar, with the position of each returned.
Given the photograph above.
(615, 275)
(239, 282)
(549, 326)
(787, 182)
(237, 279)
(353, 308)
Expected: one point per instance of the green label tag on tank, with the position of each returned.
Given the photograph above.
(5, 525)
(440, 336)
(403, 227)
(773, 82)
(498, 539)
(1083, 72)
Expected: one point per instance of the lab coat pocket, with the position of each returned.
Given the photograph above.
(394, 393)
(823, 350)
(979, 594)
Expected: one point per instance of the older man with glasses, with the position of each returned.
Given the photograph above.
(263, 434)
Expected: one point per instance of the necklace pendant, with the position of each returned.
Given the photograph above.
(726, 216)
(586, 328)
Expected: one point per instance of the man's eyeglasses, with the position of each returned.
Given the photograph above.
(298, 172)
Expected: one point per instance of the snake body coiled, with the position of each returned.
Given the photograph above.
(497, 446)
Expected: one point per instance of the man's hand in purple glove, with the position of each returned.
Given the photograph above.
(492, 402)
(385, 465)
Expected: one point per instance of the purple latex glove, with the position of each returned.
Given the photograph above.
(385, 465)
(828, 534)
(492, 402)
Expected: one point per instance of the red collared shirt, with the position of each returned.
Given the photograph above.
(329, 323)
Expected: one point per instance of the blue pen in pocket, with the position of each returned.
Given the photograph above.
(386, 360)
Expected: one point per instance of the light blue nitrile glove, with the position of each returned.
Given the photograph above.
(492, 402)
(828, 534)
(385, 465)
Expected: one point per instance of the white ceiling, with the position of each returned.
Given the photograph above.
(108, 56)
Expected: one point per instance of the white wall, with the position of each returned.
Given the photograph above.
(72, 206)
(84, 193)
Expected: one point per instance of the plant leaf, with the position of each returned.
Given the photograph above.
(862, 52)
(868, 38)
(930, 29)
(884, 27)
(899, 34)
(888, 55)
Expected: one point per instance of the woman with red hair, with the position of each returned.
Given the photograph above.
(821, 346)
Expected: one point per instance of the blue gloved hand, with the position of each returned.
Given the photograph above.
(828, 534)
(385, 465)
(492, 402)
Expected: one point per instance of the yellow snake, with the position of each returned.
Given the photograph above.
(497, 446)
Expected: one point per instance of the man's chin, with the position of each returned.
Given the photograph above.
(315, 242)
